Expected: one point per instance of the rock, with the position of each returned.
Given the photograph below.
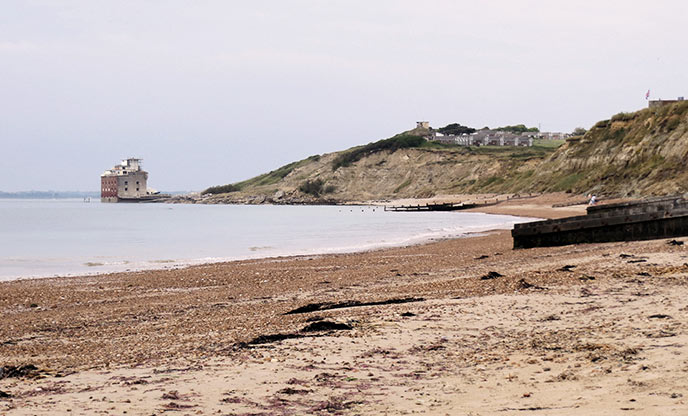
(326, 326)
(289, 390)
(660, 316)
(259, 199)
(491, 275)
(312, 307)
(171, 395)
(522, 284)
(21, 371)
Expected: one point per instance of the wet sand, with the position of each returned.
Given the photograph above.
(473, 327)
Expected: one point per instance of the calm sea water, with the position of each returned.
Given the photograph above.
(40, 238)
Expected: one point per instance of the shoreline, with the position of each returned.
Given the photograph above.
(457, 326)
(91, 269)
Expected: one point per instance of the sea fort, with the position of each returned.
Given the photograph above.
(127, 182)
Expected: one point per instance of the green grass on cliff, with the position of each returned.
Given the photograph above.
(539, 150)
(402, 141)
(269, 178)
(276, 175)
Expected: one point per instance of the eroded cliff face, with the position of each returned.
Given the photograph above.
(641, 153)
(405, 173)
(638, 154)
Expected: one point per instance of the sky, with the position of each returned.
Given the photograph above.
(211, 92)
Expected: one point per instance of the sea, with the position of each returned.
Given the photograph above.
(68, 237)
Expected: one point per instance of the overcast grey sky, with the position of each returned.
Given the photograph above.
(212, 92)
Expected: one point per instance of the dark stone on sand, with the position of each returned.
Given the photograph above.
(313, 307)
(522, 284)
(231, 400)
(675, 243)
(586, 277)
(625, 256)
(171, 395)
(491, 275)
(4, 395)
(566, 268)
(28, 370)
(317, 326)
(408, 314)
(326, 326)
(660, 316)
(484, 256)
(289, 390)
(177, 406)
(315, 318)
(333, 405)
(267, 339)
(637, 261)
(660, 334)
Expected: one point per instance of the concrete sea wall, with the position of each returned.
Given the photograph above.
(645, 220)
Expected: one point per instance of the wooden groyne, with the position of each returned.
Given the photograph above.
(431, 207)
(649, 219)
(455, 206)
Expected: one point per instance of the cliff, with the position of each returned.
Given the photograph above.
(635, 154)
(632, 154)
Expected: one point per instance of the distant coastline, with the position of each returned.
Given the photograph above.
(48, 195)
(59, 194)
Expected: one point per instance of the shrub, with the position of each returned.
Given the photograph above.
(221, 189)
(518, 128)
(671, 123)
(274, 176)
(623, 116)
(602, 124)
(316, 188)
(392, 144)
(456, 129)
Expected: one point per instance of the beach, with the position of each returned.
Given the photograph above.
(462, 326)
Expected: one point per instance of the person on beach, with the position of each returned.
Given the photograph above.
(593, 200)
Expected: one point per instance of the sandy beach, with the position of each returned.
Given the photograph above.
(457, 327)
